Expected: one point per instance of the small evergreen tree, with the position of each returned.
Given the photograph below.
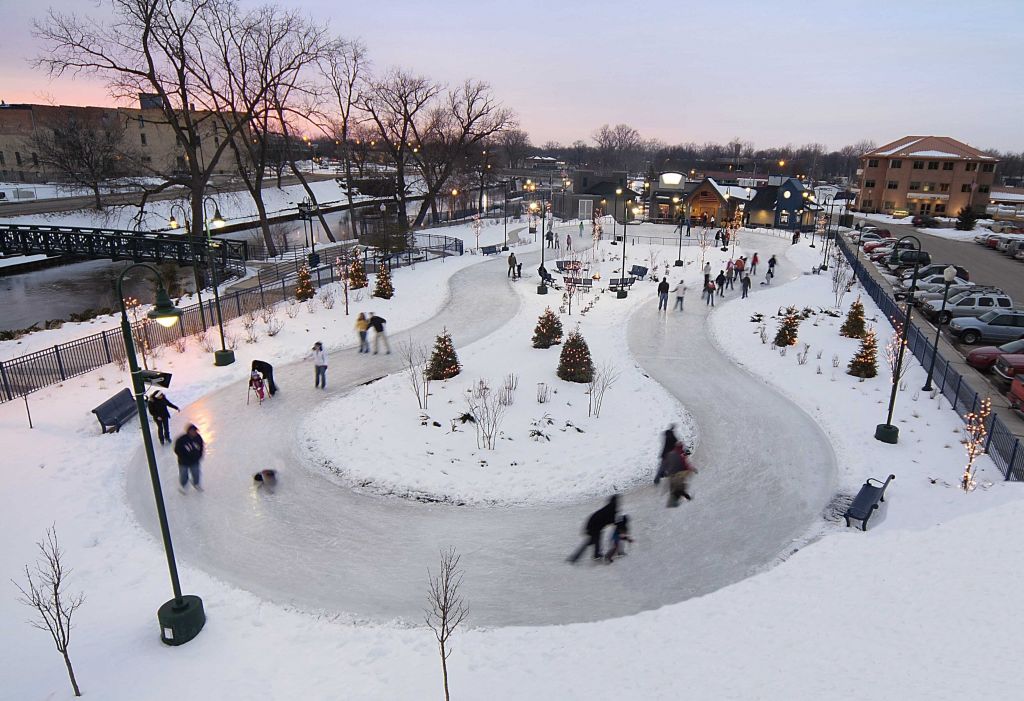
(788, 328)
(854, 327)
(383, 288)
(865, 363)
(444, 362)
(304, 287)
(575, 363)
(357, 274)
(965, 219)
(548, 331)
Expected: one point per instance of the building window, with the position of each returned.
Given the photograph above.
(918, 165)
(866, 204)
(970, 167)
(892, 185)
(17, 158)
(983, 188)
(933, 165)
(869, 183)
(966, 187)
(888, 204)
(940, 208)
(988, 167)
(948, 165)
(897, 163)
(872, 163)
(915, 185)
(944, 187)
(143, 137)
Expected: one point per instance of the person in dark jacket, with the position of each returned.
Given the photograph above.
(663, 295)
(720, 282)
(159, 406)
(607, 515)
(189, 449)
(511, 265)
(676, 468)
(745, 285)
(377, 324)
(669, 440)
(545, 276)
(267, 370)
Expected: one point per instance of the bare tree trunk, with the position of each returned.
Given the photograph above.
(348, 193)
(96, 196)
(78, 692)
(444, 673)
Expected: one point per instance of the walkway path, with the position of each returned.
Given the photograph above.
(767, 473)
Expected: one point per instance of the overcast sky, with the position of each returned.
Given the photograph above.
(773, 73)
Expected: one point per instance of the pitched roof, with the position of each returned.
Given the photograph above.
(607, 190)
(732, 191)
(929, 147)
(765, 198)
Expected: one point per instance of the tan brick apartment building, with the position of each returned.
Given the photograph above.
(933, 175)
(149, 143)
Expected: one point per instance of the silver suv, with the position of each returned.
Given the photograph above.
(967, 303)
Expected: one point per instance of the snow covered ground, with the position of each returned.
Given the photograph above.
(898, 605)
(943, 232)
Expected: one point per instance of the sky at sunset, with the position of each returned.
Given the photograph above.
(772, 73)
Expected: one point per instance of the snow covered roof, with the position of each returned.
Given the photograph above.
(1006, 195)
(732, 191)
(929, 147)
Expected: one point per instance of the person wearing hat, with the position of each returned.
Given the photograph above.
(189, 448)
(319, 365)
(159, 408)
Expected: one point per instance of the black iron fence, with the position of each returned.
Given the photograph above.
(31, 372)
(1003, 447)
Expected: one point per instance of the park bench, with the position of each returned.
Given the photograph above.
(567, 266)
(490, 250)
(638, 271)
(866, 501)
(585, 282)
(113, 413)
(616, 282)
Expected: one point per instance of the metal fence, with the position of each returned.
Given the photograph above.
(1003, 447)
(28, 373)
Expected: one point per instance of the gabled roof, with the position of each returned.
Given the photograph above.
(764, 198)
(929, 147)
(732, 191)
(607, 190)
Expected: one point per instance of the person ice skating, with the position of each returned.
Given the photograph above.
(768, 277)
(605, 516)
(581, 230)
(680, 292)
(558, 240)
(256, 385)
(568, 242)
(753, 264)
(267, 371)
(730, 275)
(663, 294)
(550, 236)
(679, 471)
(545, 276)
(620, 535)
(319, 365)
(362, 328)
(189, 449)
(718, 238)
(265, 478)
(512, 265)
(709, 292)
(771, 265)
(741, 264)
(745, 285)
(377, 322)
(707, 272)
(720, 283)
(668, 443)
(158, 405)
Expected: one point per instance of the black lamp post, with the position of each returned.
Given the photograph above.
(306, 208)
(537, 208)
(828, 234)
(173, 224)
(679, 256)
(621, 293)
(504, 213)
(223, 356)
(948, 275)
(615, 212)
(887, 433)
(182, 617)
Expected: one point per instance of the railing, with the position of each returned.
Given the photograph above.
(28, 373)
(1005, 449)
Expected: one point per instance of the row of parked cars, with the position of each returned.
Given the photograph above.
(973, 313)
(1009, 244)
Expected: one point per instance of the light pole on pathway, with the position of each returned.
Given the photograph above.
(174, 224)
(948, 275)
(223, 356)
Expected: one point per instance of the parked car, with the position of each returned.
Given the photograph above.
(1016, 395)
(982, 239)
(935, 269)
(985, 357)
(924, 221)
(876, 243)
(868, 237)
(1006, 227)
(928, 283)
(903, 260)
(972, 303)
(1009, 366)
(995, 325)
(1008, 240)
(954, 291)
(1014, 247)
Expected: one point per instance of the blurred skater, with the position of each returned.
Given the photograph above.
(605, 516)
(158, 405)
(620, 535)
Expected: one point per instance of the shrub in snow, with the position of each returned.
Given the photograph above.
(853, 327)
(357, 274)
(788, 328)
(548, 331)
(383, 287)
(444, 361)
(575, 363)
(865, 363)
(304, 287)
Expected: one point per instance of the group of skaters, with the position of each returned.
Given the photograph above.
(555, 240)
(673, 466)
(735, 270)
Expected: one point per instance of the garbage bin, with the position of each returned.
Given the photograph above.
(314, 260)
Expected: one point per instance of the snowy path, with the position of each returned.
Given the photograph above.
(767, 473)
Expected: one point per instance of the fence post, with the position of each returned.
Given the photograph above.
(260, 285)
(956, 395)
(6, 384)
(106, 346)
(1009, 465)
(60, 363)
(238, 304)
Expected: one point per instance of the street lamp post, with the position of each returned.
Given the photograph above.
(455, 193)
(223, 356)
(504, 212)
(679, 256)
(621, 294)
(615, 211)
(948, 275)
(182, 617)
(887, 433)
(828, 234)
(173, 224)
(538, 210)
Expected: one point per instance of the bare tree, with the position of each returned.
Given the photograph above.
(617, 146)
(45, 590)
(842, 276)
(414, 356)
(515, 145)
(975, 434)
(486, 407)
(605, 375)
(447, 609)
(85, 150)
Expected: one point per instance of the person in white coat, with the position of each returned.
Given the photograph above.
(680, 293)
(320, 365)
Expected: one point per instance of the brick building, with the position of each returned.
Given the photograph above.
(933, 175)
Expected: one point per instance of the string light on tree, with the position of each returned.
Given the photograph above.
(548, 331)
(975, 435)
(788, 328)
(892, 352)
(304, 287)
(575, 363)
(444, 361)
(357, 273)
(383, 287)
(865, 363)
(853, 327)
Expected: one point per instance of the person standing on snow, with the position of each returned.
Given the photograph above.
(512, 265)
(319, 365)
(362, 328)
(680, 292)
(745, 285)
(771, 265)
(707, 272)
(709, 292)
(158, 405)
(753, 264)
(189, 449)
(377, 322)
(605, 516)
(720, 283)
(663, 294)
(568, 242)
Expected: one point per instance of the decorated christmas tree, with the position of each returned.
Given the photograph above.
(357, 274)
(788, 328)
(444, 362)
(575, 363)
(304, 287)
(865, 363)
(548, 331)
(853, 327)
(383, 288)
